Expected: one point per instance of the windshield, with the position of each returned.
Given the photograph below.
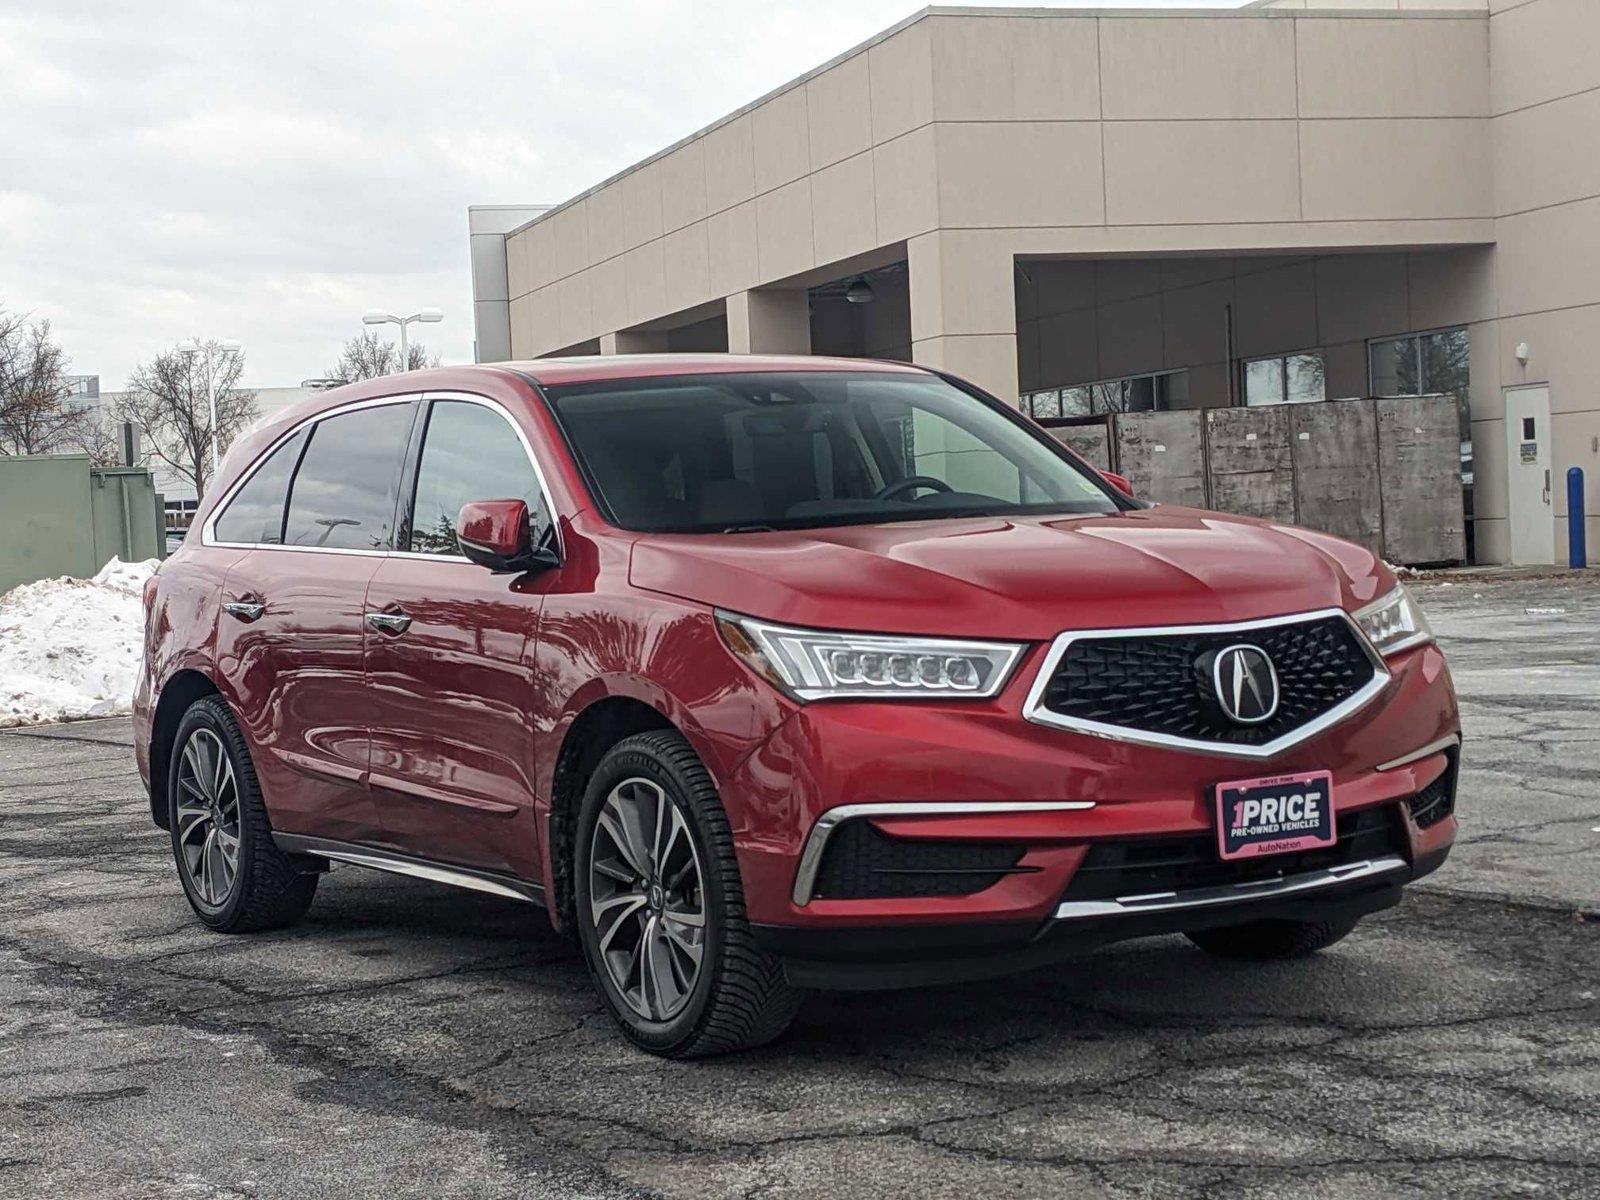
(735, 453)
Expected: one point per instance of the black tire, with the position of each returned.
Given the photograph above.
(739, 998)
(267, 890)
(1263, 941)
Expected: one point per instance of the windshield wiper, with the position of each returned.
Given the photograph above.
(749, 529)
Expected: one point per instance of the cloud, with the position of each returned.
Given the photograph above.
(268, 171)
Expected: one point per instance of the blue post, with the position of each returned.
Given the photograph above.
(1577, 554)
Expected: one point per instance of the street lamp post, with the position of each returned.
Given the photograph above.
(190, 348)
(380, 316)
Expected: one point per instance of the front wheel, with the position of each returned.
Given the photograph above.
(1259, 941)
(236, 878)
(660, 907)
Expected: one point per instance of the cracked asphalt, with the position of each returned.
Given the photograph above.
(410, 1040)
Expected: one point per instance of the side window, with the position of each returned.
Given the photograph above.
(343, 494)
(255, 514)
(469, 453)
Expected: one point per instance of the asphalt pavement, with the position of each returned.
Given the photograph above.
(410, 1040)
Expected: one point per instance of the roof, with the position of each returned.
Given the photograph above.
(636, 366)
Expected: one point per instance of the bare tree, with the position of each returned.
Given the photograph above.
(166, 401)
(367, 356)
(37, 415)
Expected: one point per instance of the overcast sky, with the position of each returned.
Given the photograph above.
(268, 171)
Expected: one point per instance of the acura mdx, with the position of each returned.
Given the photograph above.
(770, 674)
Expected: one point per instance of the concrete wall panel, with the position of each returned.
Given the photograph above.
(844, 209)
(901, 72)
(731, 238)
(1176, 172)
(1019, 173)
(1419, 465)
(730, 164)
(1335, 448)
(1393, 68)
(686, 262)
(1014, 68)
(839, 112)
(783, 231)
(906, 186)
(1171, 66)
(1251, 464)
(1092, 443)
(1389, 169)
(1162, 454)
(683, 186)
(1548, 48)
(781, 131)
(641, 205)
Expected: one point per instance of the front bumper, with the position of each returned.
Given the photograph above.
(891, 957)
(979, 774)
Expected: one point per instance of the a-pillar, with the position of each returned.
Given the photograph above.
(769, 321)
(634, 341)
(964, 308)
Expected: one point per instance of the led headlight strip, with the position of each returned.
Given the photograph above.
(815, 664)
(1394, 623)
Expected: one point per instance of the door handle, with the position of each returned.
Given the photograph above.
(245, 610)
(389, 622)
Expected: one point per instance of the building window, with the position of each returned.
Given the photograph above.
(1420, 364)
(1135, 393)
(1285, 379)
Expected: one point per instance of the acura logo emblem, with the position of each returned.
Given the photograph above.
(1246, 684)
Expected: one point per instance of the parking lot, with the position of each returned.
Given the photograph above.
(410, 1040)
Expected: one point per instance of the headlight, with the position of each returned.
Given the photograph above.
(1394, 623)
(813, 664)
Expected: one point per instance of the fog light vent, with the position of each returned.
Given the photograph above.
(862, 863)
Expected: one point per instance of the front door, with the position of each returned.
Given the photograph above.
(1532, 517)
(449, 658)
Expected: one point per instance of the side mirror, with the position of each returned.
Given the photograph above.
(1120, 482)
(494, 534)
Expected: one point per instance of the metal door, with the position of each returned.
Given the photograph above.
(1532, 518)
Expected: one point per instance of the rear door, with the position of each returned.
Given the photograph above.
(318, 517)
(449, 666)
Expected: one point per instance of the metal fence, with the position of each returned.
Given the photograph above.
(59, 515)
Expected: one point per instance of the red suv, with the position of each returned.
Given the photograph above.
(769, 674)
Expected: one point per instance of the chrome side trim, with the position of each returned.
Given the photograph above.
(1376, 868)
(507, 886)
(817, 840)
(208, 531)
(1033, 708)
(1421, 752)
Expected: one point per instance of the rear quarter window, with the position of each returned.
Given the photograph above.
(255, 514)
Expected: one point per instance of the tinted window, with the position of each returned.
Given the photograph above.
(255, 514)
(470, 453)
(343, 494)
(795, 450)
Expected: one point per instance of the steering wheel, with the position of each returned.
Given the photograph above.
(890, 490)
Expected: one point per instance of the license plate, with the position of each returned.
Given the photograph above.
(1275, 816)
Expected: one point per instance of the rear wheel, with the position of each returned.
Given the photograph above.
(1259, 941)
(660, 907)
(236, 878)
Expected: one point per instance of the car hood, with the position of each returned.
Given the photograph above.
(1021, 578)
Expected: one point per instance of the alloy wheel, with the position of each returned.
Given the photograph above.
(647, 900)
(208, 818)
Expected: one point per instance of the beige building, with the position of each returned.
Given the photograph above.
(1088, 210)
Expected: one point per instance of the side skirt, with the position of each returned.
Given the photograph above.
(508, 886)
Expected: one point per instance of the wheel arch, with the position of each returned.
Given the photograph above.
(182, 690)
(601, 724)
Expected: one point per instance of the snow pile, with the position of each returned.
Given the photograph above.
(70, 648)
